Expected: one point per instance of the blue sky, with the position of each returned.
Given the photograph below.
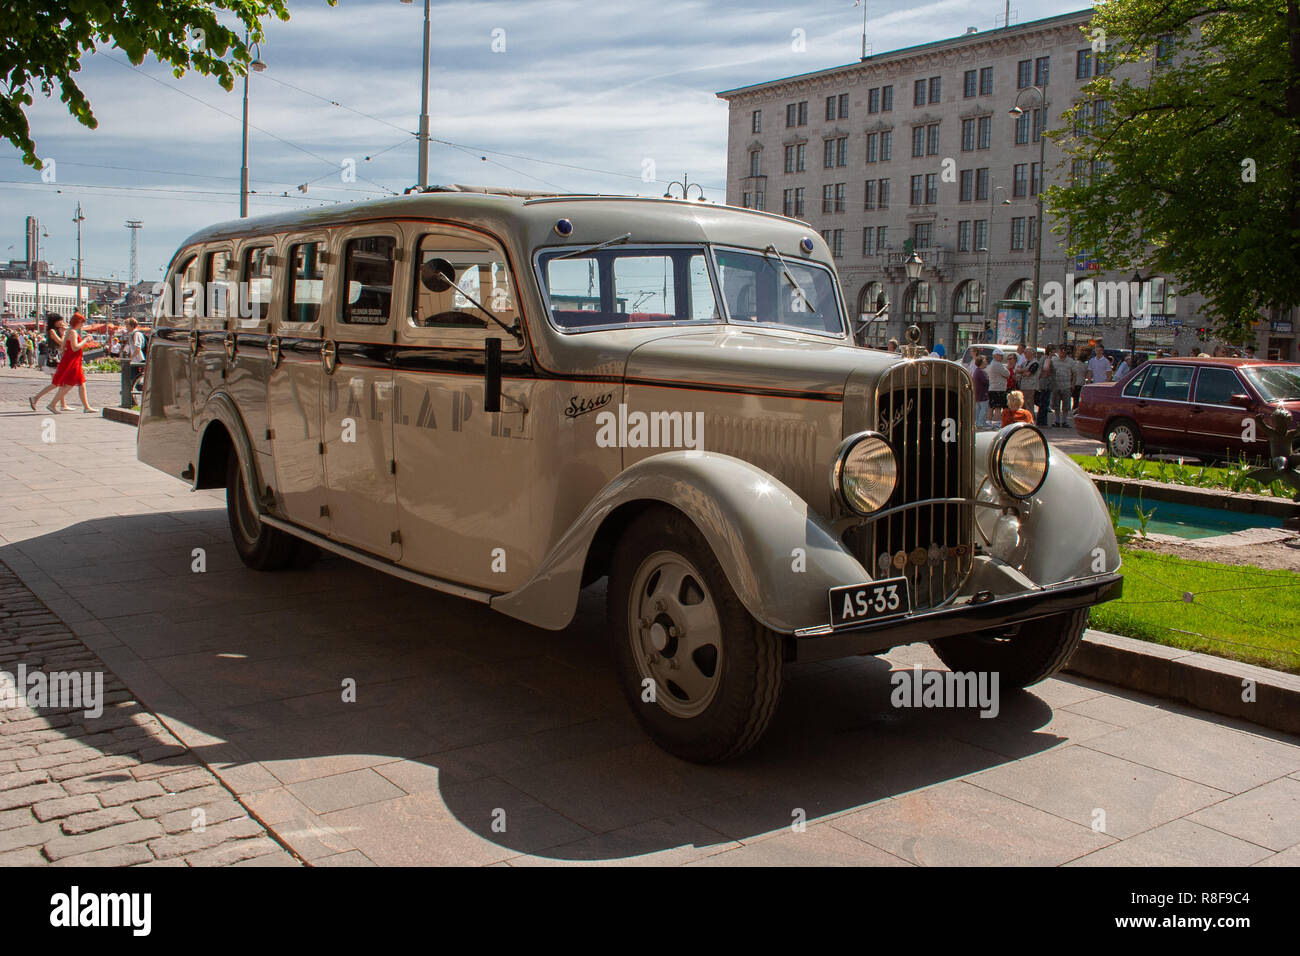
(582, 96)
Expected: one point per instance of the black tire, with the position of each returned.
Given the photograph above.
(747, 663)
(1040, 649)
(1115, 431)
(260, 547)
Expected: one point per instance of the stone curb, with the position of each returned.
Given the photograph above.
(1217, 498)
(1210, 683)
(124, 415)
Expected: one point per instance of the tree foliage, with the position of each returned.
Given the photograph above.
(44, 41)
(1194, 170)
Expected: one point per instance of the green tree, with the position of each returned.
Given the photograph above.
(1190, 167)
(44, 42)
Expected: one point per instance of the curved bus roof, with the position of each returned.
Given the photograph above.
(530, 218)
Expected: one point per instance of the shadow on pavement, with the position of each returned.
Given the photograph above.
(472, 737)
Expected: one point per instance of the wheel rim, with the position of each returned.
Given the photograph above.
(249, 525)
(675, 633)
(1122, 441)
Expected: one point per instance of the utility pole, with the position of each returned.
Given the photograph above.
(79, 219)
(424, 104)
(133, 276)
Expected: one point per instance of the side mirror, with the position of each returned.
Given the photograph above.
(437, 275)
(1241, 401)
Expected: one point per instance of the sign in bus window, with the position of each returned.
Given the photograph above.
(368, 266)
(257, 278)
(306, 283)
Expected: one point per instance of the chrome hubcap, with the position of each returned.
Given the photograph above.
(675, 633)
(1121, 441)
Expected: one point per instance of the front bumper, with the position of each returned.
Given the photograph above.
(973, 614)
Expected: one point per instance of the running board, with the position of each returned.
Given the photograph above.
(396, 570)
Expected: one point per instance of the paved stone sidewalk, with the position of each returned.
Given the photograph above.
(108, 789)
(474, 739)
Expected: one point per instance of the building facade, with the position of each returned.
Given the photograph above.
(917, 149)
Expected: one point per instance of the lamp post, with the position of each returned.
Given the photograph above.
(78, 219)
(1042, 179)
(913, 266)
(686, 185)
(988, 254)
(36, 275)
(424, 104)
(257, 66)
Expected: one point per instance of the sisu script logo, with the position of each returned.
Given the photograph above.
(887, 422)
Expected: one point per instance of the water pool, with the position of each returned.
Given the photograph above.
(1187, 521)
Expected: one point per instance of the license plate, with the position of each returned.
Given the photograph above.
(860, 603)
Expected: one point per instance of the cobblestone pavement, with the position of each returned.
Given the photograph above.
(474, 739)
(17, 384)
(103, 789)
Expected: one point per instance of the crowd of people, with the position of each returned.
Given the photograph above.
(1019, 386)
(20, 348)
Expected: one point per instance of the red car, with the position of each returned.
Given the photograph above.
(1199, 407)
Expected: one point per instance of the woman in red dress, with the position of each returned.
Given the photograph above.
(70, 373)
(49, 360)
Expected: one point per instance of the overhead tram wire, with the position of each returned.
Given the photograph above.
(279, 139)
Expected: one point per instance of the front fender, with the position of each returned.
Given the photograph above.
(1065, 530)
(220, 409)
(753, 523)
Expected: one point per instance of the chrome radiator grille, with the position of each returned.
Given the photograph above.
(919, 403)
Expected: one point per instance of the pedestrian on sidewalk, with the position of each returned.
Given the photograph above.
(13, 347)
(1062, 382)
(999, 372)
(981, 380)
(135, 351)
(50, 355)
(70, 374)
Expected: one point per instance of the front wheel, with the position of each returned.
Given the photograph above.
(261, 547)
(1037, 651)
(701, 675)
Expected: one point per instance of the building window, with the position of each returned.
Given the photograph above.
(886, 99)
(1035, 179)
(918, 93)
(792, 203)
(1041, 70)
(918, 195)
(981, 234)
(931, 188)
(755, 162)
(841, 193)
(869, 194)
(756, 121)
(745, 201)
(760, 199)
(918, 140)
(985, 132)
(1164, 49)
(1083, 64)
(920, 300)
(969, 299)
(969, 81)
(1024, 70)
(886, 145)
(932, 139)
(882, 238)
(1033, 232)
(921, 235)
(1020, 180)
(827, 201)
(830, 107)
(873, 100)
(1099, 110)
(842, 151)
(963, 236)
(873, 142)
(986, 81)
(828, 153)
(844, 106)
(1100, 64)
(966, 184)
(1018, 232)
(835, 239)
(981, 184)
(868, 234)
(796, 114)
(935, 87)
(884, 194)
(1029, 126)
(967, 135)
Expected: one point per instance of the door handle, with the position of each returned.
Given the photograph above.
(329, 353)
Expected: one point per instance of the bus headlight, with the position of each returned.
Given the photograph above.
(1018, 460)
(865, 472)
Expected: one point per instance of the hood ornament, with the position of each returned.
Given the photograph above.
(913, 350)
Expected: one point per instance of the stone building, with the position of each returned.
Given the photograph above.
(916, 148)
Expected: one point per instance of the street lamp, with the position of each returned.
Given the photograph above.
(78, 219)
(257, 66)
(1042, 179)
(913, 266)
(988, 254)
(424, 104)
(686, 185)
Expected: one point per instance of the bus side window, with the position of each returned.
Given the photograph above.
(191, 288)
(368, 280)
(306, 282)
(257, 277)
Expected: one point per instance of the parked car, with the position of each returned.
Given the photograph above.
(1203, 408)
(510, 397)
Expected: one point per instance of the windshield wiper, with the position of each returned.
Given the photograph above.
(600, 245)
(790, 277)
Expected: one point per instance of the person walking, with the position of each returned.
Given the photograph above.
(134, 351)
(29, 350)
(51, 351)
(13, 347)
(981, 379)
(70, 374)
(999, 371)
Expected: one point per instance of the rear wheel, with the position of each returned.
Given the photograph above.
(260, 547)
(1123, 438)
(1034, 653)
(701, 675)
